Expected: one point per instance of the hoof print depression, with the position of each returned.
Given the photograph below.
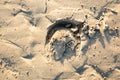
(65, 36)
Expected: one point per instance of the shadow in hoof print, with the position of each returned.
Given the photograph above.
(65, 35)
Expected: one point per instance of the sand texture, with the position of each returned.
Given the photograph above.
(59, 39)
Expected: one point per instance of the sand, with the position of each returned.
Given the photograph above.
(24, 26)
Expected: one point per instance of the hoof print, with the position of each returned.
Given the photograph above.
(65, 35)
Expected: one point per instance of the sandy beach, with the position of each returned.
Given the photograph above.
(59, 39)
